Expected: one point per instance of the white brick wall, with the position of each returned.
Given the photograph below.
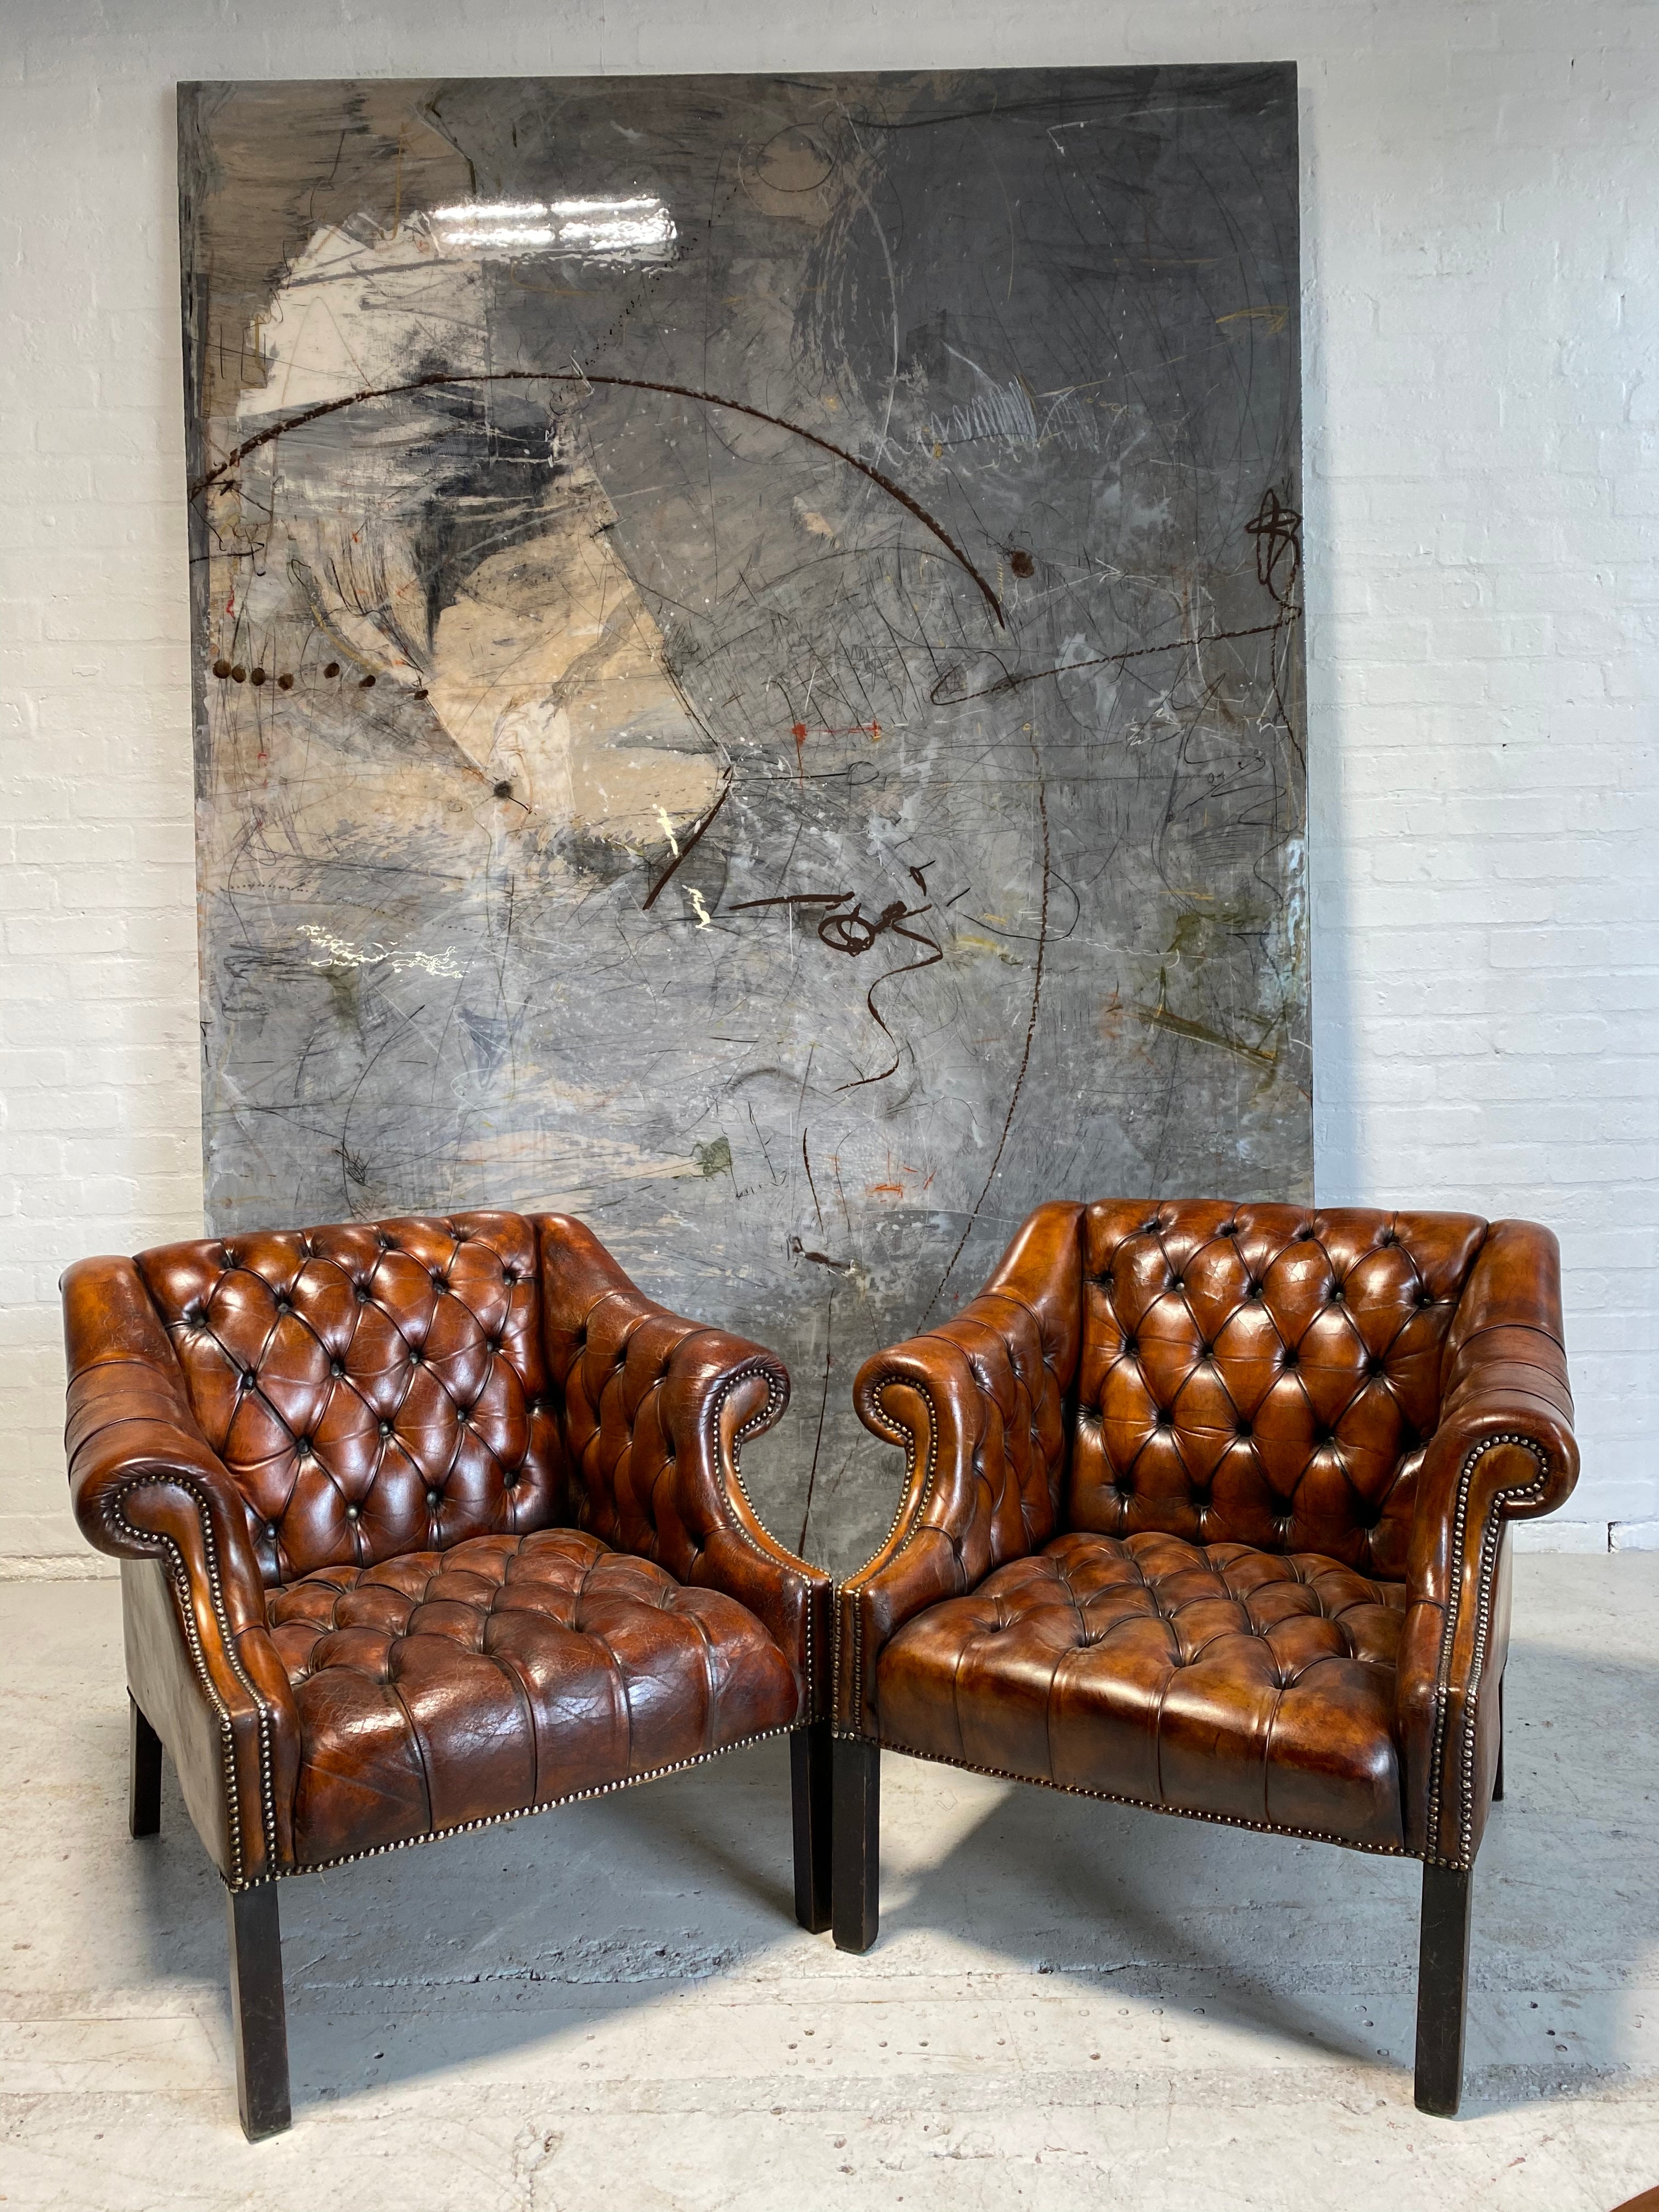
(1481, 408)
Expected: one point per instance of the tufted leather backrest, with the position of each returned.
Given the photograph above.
(373, 1388)
(1263, 1375)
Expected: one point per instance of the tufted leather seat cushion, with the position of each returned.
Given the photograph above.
(1244, 1685)
(439, 1688)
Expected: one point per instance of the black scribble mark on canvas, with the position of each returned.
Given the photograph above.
(762, 707)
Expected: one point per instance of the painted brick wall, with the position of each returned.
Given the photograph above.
(1482, 408)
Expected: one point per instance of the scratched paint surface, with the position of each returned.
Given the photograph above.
(749, 674)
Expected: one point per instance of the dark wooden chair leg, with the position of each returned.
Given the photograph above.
(1443, 1989)
(855, 1880)
(1497, 1779)
(810, 1785)
(258, 2017)
(143, 1773)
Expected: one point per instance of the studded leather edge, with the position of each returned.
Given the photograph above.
(852, 1588)
(788, 1561)
(523, 1812)
(1145, 1804)
(1491, 1538)
(148, 1545)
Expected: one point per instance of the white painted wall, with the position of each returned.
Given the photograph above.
(1481, 301)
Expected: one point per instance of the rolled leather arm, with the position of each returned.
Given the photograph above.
(1502, 1450)
(146, 1484)
(657, 1411)
(978, 1405)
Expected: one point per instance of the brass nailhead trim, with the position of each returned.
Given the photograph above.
(525, 1812)
(148, 1544)
(1490, 1535)
(1140, 1804)
(783, 1557)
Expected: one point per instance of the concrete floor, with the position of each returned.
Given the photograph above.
(1071, 2005)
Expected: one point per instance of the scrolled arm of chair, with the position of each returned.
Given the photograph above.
(978, 1405)
(657, 1412)
(1502, 1450)
(146, 1484)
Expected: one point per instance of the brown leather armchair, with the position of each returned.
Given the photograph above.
(1205, 1510)
(424, 1525)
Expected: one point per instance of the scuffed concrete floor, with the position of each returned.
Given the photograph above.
(1071, 2005)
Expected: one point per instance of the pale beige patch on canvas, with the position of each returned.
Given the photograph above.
(548, 672)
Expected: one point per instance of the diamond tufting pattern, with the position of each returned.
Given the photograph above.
(1262, 1374)
(1214, 1679)
(373, 1388)
(439, 1688)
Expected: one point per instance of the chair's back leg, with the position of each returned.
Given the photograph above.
(811, 1782)
(1497, 1779)
(1443, 1989)
(258, 2017)
(143, 1773)
(856, 1849)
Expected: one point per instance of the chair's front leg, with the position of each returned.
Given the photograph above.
(855, 1881)
(1497, 1779)
(811, 1782)
(143, 1774)
(1443, 1989)
(258, 2017)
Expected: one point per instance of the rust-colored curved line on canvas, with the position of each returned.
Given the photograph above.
(437, 377)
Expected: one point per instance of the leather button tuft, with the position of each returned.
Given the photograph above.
(433, 1501)
(335, 1367)
(416, 1357)
(1243, 1429)
(304, 1446)
(351, 1513)
(386, 1428)
(509, 1274)
(1253, 1289)
(1292, 1356)
(246, 1379)
(493, 1344)
(270, 1530)
(361, 1293)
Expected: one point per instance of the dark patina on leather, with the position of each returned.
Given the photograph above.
(426, 1523)
(1205, 1508)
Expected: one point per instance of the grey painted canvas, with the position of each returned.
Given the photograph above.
(748, 674)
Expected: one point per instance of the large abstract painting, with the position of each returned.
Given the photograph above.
(749, 674)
